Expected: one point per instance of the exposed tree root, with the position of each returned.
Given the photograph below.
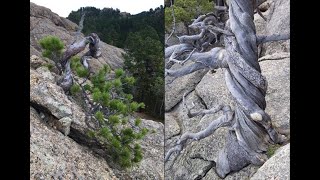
(231, 44)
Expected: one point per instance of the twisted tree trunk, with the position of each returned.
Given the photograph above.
(251, 130)
(76, 47)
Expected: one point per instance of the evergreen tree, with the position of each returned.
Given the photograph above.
(145, 62)
(108, 105)
(186, 10)
(52, 47)
(114, 27)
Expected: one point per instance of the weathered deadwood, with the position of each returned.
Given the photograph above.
(212, 59)
(174, 22)
(75, 48)
(222, 121)
(251, 130)
(273, 37)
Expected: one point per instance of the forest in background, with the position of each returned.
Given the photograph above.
(113, 27)
(142, 37)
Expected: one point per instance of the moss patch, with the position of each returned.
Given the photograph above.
(272, 149)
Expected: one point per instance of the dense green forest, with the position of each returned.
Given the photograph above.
(142, 37)
(113, 26)
(185, 11)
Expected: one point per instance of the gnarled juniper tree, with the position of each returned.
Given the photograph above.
(108, 108)
(227, 39)
(75, 48)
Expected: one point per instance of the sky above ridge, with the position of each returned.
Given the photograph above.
(64, 7)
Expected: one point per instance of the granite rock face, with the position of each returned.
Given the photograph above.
(55, 156)
(60, 146)
(48, 96)
(277, 167)
(176, 87)
(60, 113)
(278, 23)
(277, 73)
(44, 22)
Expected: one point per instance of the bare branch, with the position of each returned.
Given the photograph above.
(174, 55)
(217, 29)
(274, 37)
(174, 23)
(185, 70)
(75, 48)
(276, 56)
(222, 121)
(201, 112)
(178, 148)
(178, 49)
(80, 27)
(212, 59)
(186, 39)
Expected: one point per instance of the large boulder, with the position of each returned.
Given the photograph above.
(277, 73)
(213, 91)
(36, 61)
(243, 174)
(50, 98)
(277, 167)
(176, 87)
(44, 22)
(55, 156)
(278, 23)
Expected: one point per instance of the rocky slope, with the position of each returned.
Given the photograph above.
(208, 89)
(43, 22)
(60, 147)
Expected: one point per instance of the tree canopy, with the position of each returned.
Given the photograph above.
(142, 37)
(145, 62)
(186, 10)
(113, 26)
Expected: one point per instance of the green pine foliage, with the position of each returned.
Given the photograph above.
(114, 132)
(119, 138)
(119, 73)
(49, 66)
(185, 11)
(52, 47)
(137, 122)
(75, 89)
(144, 61)
(77, 67)
(142, 36)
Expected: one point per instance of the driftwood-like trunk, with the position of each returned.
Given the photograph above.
(75, 48)
(230, 43)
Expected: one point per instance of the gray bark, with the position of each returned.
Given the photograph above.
(75, 48)
(250, 130)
